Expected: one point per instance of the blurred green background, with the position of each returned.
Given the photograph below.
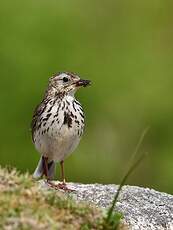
(126, 49)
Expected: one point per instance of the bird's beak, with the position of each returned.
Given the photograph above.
(83, 83)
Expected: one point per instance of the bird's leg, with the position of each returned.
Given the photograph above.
(62, 172)
(45, 172)
(45, 166)
(63, 185)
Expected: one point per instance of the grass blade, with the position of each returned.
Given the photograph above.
(132, 167)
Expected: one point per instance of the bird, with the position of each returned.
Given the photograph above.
(57, 125)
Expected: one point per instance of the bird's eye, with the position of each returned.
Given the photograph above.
(65, 79)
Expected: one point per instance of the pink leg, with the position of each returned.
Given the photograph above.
(62, 185)
(45, 166)
(62, 172)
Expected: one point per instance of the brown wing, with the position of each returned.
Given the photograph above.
(36, 117)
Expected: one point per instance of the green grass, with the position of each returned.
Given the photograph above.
(24, 205)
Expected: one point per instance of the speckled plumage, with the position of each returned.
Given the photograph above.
(58, 121)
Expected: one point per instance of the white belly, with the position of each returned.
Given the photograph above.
(57, 147)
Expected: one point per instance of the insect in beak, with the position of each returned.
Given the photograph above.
(83, 83)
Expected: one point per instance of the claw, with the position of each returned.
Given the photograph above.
(59, 186)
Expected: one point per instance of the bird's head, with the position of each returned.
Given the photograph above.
(67, 83)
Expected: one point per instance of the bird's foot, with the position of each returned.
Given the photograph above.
(59, 186)
(64, 187)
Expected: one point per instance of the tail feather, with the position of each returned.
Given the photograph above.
(40, 170)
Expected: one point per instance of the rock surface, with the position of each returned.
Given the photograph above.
(142, 208)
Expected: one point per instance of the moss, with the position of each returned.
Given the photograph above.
(23, 205)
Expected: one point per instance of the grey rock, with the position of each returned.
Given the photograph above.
(142, 208)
